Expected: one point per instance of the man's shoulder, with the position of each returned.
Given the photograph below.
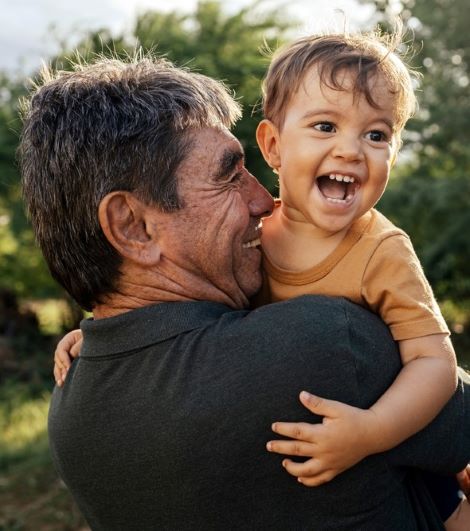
(308, 318)
(308, 308)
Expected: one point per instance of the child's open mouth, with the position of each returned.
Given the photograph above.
(337, 188)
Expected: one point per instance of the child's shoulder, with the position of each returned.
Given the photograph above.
(381, 227)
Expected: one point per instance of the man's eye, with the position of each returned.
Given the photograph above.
(324, 127)
(377, 136)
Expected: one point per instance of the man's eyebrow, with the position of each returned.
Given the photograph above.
(228, 162)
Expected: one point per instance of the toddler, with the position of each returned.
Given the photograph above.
(335, 107)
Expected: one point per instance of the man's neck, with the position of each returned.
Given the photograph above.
(139, 288)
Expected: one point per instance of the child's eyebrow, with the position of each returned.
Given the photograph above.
(228, 162)
(316, 112)
(388, 122)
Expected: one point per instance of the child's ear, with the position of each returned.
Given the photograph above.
(267, 136)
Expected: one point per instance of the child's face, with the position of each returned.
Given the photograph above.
(333, 153)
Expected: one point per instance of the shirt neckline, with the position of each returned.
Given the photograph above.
(320, 270)
(142, 327)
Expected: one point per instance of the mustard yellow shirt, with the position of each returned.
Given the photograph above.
(375, 266)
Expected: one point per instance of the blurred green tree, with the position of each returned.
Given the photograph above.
(21, 264)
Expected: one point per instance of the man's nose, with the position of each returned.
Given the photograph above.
(348, 147)
(260, 202)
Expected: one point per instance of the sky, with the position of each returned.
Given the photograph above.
(31, 30)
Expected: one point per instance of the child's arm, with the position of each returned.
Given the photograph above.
(348, 434)
(67, 349)
(422, 388)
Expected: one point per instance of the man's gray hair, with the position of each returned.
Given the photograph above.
(103, 127)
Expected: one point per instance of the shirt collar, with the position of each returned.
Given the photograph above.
(146, 326)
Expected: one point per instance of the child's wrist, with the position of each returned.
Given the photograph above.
(375, 434)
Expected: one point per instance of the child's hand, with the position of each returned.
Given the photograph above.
(68, 348)
(343, 439)
(464, 480)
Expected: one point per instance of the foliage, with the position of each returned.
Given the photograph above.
(31, 494)
(22, 422)
(21, 264)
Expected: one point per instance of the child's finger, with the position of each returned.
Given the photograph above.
(299, 448)
(463, 478)
(297, 430)
(317, 480)
(76, 348)
(320, 406)
(309, 469)
(58, 376)
(62, 359)
(66, 344)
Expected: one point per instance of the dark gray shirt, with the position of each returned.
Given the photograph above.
(163, 420)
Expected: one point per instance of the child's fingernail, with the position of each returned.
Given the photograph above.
(299, 480)
(269, 446)
(273, 426)
(305, 395)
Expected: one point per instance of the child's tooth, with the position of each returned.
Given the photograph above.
(332, 177)
(339, 177)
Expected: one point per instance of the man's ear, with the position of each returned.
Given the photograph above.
(126, 223)
(267, 136)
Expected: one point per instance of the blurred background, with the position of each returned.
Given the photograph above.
(428, 196)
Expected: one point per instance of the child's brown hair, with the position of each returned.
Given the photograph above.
(367, 55)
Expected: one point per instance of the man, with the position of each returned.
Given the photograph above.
(146, 214)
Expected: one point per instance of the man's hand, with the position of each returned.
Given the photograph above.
(67, 349)
(344, 438)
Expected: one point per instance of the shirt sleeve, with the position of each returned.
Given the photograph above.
(395, 287)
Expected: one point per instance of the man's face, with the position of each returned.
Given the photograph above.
(336, 151)
(214, 237)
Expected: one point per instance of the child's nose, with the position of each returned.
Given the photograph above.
(348, 148)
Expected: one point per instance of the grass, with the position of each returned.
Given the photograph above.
(32, 497)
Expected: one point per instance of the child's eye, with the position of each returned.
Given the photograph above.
(324, 127)
(377, 136)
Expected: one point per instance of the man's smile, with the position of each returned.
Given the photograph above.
(252, 243)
